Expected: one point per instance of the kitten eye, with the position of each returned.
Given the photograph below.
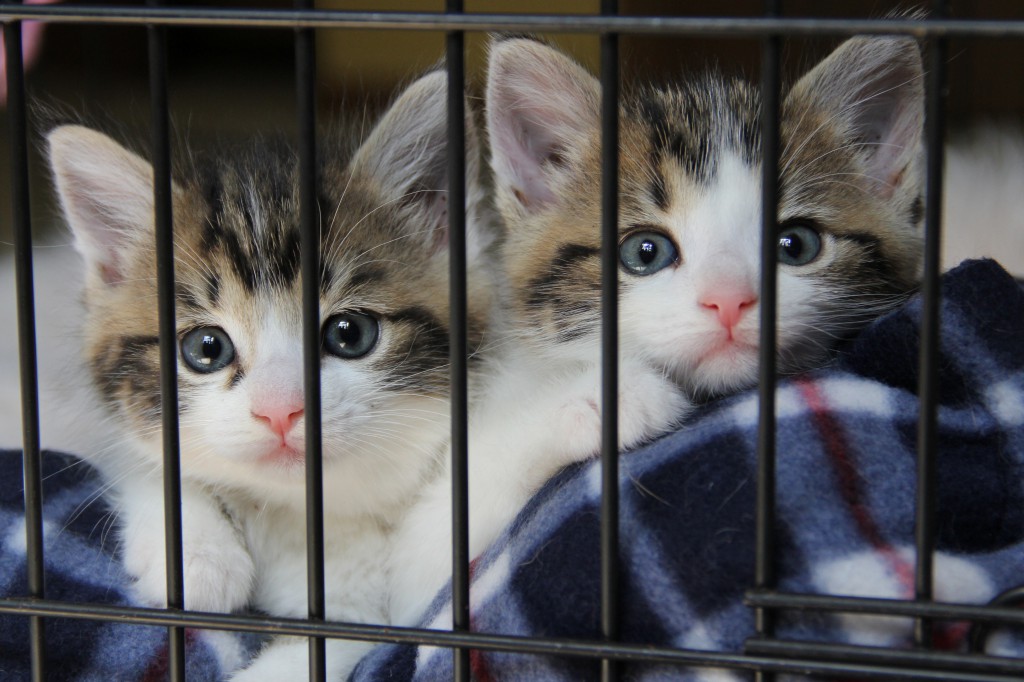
(798, 245)
(207, 349)
(645, 253)
(350, 335)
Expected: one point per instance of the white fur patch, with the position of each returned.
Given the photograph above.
(226, 647)
(594, 478)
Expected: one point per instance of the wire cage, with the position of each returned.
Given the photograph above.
(765, 654)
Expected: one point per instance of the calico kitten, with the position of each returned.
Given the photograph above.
(384, 307)
(848, 249)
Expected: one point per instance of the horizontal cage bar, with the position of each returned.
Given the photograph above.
(844, 653)
(886, 607)
(526, 645)
(734, 27)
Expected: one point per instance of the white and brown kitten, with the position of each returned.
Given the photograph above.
(848, 249)
(384, 312)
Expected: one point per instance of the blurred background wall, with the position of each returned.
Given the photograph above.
(228, 82)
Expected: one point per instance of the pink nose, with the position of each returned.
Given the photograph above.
(730, 305)
(280, 418)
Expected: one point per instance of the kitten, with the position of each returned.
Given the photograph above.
(849, 242)
(384, 309)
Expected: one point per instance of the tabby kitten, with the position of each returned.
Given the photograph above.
(848, 249)
(384, 371)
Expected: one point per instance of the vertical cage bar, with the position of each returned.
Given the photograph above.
(309, 234)
(609, 340)
(455, 61)
(765, 519)
(161, 157)
(22, 227)
(927, 438)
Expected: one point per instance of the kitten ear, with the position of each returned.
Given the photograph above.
(106, 193)
(541, 107)
(873, 89)
(407, 155)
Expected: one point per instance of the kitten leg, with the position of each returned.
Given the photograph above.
(218, 571)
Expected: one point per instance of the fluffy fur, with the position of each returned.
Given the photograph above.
(689, 245)
(383, 300)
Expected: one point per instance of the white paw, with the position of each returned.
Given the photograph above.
(218, 571)
(649, 405)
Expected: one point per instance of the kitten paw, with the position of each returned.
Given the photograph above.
(649, 406)
(218, 571)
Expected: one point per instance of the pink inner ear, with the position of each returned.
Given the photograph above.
(520, 151)
(896, 147)
(100, 243)
(110, 274)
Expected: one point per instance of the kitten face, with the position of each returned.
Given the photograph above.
(690, 208)
(383, 300)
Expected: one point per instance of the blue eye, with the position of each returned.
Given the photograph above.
(645, 253)
(798, 245)
(207, 349)
(350, 335)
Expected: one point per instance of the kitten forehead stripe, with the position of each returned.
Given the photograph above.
(212, 288)
(187, 297)
(688, 145)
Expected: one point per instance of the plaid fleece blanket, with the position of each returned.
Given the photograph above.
(846, 449)
(846, 461)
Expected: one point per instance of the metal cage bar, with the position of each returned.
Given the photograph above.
(458, 349)
(21, 221)
(529, 645)
(927, 431)
(925, 660)
(309, 240)
(609, 340)
(764, 523)
(734, 27)
(168, 351)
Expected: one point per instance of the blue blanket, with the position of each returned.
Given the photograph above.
(846, 449)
